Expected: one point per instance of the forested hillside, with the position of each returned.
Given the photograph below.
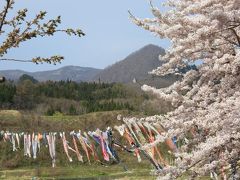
(70, 98)
(136, 65)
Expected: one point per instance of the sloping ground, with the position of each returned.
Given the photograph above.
(25, 121)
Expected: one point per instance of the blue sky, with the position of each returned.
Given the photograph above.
(110, 34)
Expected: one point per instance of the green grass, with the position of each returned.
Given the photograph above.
(136, 171)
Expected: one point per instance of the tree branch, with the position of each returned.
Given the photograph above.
(238, 38)
(18, 60)
(38, 60)
(5, 14)
(228, 40)
(131, 15)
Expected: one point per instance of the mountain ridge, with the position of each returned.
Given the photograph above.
(74, 73)
(134, 67)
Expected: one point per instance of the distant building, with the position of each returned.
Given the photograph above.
(134, 80)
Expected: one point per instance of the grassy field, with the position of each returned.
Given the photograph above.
(27, 121)
(13, 165)
(79, 172)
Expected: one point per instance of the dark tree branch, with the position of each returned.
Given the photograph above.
(228, 40)
(37, 60)
(18, 60)
(131, 15)
(5, 14)
(237, 37)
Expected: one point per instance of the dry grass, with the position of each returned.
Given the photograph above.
(14, 113)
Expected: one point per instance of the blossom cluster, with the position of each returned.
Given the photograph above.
(206, 100)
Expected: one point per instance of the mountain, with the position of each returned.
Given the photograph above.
(74, 73)
(136, 67)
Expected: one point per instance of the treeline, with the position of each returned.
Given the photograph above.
(67, 97)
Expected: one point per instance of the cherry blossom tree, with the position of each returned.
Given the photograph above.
(14, 30)
(206, 119)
